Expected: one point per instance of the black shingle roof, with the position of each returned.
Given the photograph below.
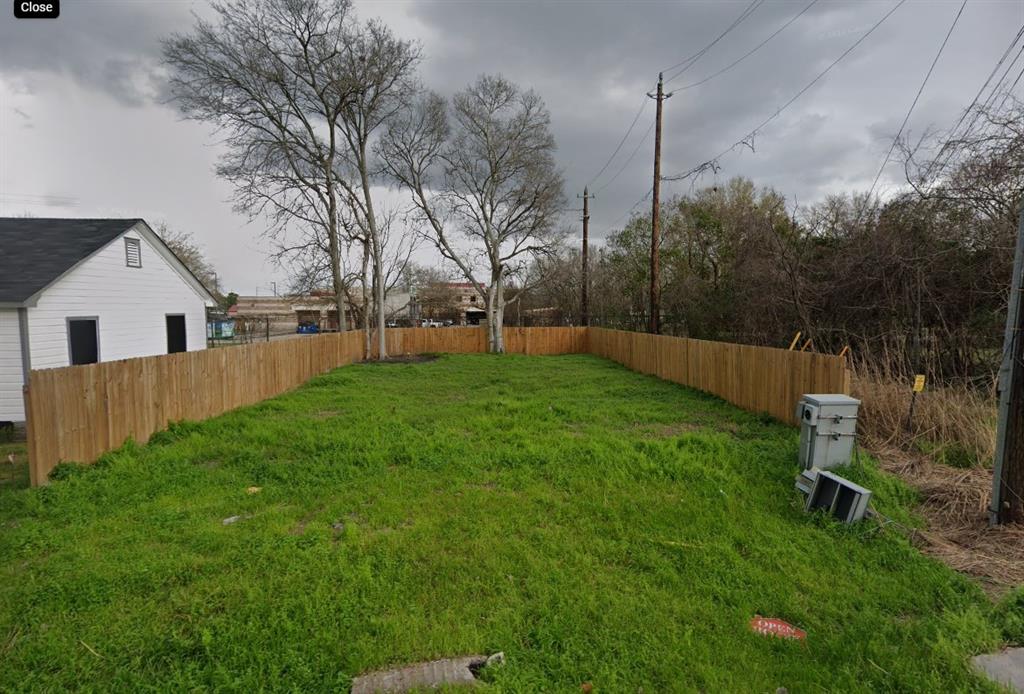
(35, 251)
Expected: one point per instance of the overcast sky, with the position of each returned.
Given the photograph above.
(84, 132)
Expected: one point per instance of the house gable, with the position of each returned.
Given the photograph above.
(39, 252)
(129, 304)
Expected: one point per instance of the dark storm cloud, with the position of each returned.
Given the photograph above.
(593, 62)
(112, 47)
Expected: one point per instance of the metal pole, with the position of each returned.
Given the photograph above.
(655, 318)
(1008, 470)
(584, 299)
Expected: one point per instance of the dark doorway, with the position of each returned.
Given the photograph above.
(176, 334)
(83, 340)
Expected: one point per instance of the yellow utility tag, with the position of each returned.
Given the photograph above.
(918, 383)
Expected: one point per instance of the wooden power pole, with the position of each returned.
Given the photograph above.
(655, 321)
(584, 299)
(1007, 505)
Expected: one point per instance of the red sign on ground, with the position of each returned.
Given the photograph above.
(770, 626)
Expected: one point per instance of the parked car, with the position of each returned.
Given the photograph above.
(307, 328)
(427, 323)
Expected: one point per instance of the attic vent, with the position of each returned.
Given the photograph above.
(133, 252)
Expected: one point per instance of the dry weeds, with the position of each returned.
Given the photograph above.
(954, 503)
(951, 424)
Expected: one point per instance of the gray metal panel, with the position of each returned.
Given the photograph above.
(842, 498)
(822, 399)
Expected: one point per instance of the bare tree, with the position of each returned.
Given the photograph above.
(269, 75)
(382, 67)
(183, 245)
(298, 88)
(483, 183)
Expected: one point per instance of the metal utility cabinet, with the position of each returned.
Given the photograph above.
(828, 428)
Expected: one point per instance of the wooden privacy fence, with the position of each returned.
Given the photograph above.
(759, 379)
(80, 412)
(471, 340)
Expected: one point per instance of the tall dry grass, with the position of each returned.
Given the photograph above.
(952, 423)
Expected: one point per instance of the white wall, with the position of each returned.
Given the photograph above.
(131, 304)
(12, 408)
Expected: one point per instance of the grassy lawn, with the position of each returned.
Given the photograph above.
(13, 466)
(592, 523)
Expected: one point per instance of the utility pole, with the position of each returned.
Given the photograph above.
(1007, 505)
(655, 322)
(584, 300)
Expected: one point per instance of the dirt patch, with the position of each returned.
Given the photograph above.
(300, 525)
(404, 359)
(954, 501)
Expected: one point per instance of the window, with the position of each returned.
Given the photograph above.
(83, 340)
(133, 252)
(176, 341)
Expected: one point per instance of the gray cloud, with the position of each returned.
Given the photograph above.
(112, 47)
(591, 61)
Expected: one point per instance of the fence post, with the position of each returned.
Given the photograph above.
(30, 426)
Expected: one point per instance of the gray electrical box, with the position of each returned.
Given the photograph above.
(838, 496)
(828, 428)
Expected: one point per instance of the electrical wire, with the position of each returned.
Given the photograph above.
(747, 140)
(628, 212)
(650, 129)
(913, 104)
(749, 53)
(968, 111)
(687, 63)
(632, 125)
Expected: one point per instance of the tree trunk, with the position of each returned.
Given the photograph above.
(496, 313)
(366, 299)
(378, 261)
(335, 252)
(492, 345)
(499, 323)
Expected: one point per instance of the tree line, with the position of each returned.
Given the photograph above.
(917, 283)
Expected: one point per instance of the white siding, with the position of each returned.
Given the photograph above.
(12, 408)
(131, 304)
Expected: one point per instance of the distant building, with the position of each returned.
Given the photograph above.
(285, 313)
(456, 302)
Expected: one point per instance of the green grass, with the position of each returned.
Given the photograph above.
(13, 472)
(592, 523)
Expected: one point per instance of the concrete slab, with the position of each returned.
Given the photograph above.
(436, 673)
(1006, 668)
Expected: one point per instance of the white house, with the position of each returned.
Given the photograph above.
(79, 291)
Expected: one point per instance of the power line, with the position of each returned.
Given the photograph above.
(687, 63)
(920, 89)
(747, 140)
(970, 108)
(632, 208)
(632, 125)
(749, 53)
(650, 129)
